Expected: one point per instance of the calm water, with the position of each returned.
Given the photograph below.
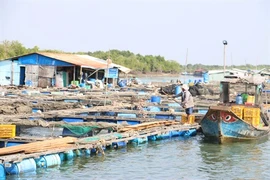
(176, 158)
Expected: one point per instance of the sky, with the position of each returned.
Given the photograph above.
(169, 28)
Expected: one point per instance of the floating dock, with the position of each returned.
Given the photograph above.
(47, 153)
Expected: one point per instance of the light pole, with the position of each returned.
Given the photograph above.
(224, 58)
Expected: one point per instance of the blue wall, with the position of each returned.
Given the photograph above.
(36, 59)
(5, 72)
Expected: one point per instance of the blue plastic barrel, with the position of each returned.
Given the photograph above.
(156, 99)
(140, 140)
(177, 90)
(78, 152)
(191, 132)
(69, 155)
(174, 133)
(48, 161)
(239, 99)
(2, 172)
(26, 165)
(119, 144)
(164, 136)
(152, 138)
(87, 152)
(82, 85)
(62, 156)
(205, 77)
(121, 84)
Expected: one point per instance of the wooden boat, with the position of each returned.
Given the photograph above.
(230, 120)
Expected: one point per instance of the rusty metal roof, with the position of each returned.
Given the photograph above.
(76, 59)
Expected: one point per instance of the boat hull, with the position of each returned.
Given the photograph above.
(223, 124)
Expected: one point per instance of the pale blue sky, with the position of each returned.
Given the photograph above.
(157, 27)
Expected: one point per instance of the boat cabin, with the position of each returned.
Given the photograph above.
(249, 89)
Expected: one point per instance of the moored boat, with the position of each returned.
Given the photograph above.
(237, 120)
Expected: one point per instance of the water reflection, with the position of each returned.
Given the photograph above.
(176, 158)
(234, 159)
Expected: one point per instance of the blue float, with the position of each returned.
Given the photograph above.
(2, 172)
(62, 156)
(156, 99)
(119, 144)
(140, 140)
(78, 152)
(26, 165)
(87, 152)
(164, 136)
(205, 77)
(191, 132)
(93, 150)
(48, 161)
(82, 85)
(174, 133)
(152, 138)
(177, 90)
(69, 155)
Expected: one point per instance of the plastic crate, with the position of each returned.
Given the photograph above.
(7, 131)
(251, 112)
(238, 110)
(189, 120)
(255, 121)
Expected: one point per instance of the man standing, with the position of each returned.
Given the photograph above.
(187, 100)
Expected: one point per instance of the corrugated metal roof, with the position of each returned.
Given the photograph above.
(256, 79)
(80, 60)
(75, 59)
(121, 68)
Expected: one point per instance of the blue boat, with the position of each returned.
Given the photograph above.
(237, 120)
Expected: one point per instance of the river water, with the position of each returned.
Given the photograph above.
(176, 158)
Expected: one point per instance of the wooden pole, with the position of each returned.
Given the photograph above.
(74, 73)
(81, 74)
(12, 72)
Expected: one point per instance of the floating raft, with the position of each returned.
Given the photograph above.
(46, 153)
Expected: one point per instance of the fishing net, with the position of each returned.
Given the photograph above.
(80, 130)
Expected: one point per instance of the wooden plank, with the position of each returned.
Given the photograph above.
(38, 146)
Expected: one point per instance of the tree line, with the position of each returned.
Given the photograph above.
(137, 62)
